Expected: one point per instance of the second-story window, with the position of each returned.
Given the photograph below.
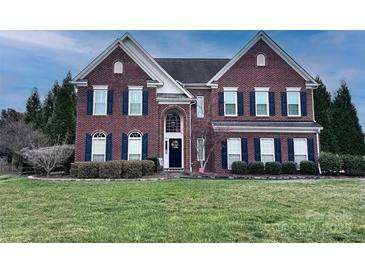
(262, 103)
(100, 101)
(200, 106)
(293, 99)
(230, 103)
(135, 101)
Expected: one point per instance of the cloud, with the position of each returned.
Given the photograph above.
(44, 39)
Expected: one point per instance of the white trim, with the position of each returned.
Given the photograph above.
(314, 116)
(263, 36)
(267, 104)
(134, 89)
(106, 100)
(80, 83)
(230, 89)
(293, 89)
(197, 103)
(160, 102)
(224, 103)
(262, 89)
(273, 148)
(100, 87)
(299, 105)
(286, 129)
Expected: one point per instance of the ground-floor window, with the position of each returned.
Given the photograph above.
(200, 147)
(233, 151)
(267, 150)
(135, 146)
(300, 150)
(98, 147)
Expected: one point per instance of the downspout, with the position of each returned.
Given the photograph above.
(191, 103)
(318, 150)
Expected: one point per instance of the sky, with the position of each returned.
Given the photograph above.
(37, 58)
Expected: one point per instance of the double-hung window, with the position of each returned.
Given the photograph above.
(262, 103)
(200, 145)
(98, 147)
(293, 99)
(200, 106)
(300, 150)
(135, 146)
(135, 101)
(230, 102)
(267, 150)
(100, 100)
(233, 151)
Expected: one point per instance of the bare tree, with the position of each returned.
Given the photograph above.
(48, 158)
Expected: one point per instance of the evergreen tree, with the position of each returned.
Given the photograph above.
(322, 110)
(346, 126)
(48, 103)
(33, 113)
(61, 125)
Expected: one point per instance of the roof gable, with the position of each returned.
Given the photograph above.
(261, 35)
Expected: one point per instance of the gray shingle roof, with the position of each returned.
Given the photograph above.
(192, 70)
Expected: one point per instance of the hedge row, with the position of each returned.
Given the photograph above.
(274, 168)
(112, 169)
(349, 164)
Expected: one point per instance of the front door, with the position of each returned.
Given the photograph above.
(174, 152)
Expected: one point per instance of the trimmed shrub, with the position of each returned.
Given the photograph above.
(239, 167)
(273, 168)
(308, 167)
(353, 165)
(330, 162)
(74, 169)
(289, 168)
(148, 167)
(256, 168)
(88, 170)
(110, 170)
(132, 169)
(155, 160)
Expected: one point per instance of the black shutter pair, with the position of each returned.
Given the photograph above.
(90, 102)
(303, 103)
(108, 148)
(240, 110)
(125, 146)
(310, 148)
(271, 103)
(277, 149)
(125, 102)
(224, 152)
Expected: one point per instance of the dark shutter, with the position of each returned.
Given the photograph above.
(291, 150)
(257, 149)
(303, 103)
(124, 146)
(310, 146)
(88, 141)
(244, 151)
(90, 100)
(240, 103)
(220, 103)
(224, 154)
(110, 102)
(125, 103)
(272, 103)
(252, 103)
(144, 146)
(109, 147)
(277, 150)
(145, 102)
(284, 108)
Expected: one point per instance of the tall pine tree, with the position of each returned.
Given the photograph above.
(48, 103)
(61, 125)
(322, 110)
(33, 113)
(346, 126)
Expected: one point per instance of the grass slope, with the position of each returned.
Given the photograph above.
(182, 211)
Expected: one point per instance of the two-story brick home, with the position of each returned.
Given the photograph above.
(257, 106)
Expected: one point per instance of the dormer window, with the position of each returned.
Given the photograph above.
(261, 60)
(118, 67)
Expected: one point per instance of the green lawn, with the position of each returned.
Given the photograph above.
(182, 211)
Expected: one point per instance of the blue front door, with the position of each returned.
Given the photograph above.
(174, 152)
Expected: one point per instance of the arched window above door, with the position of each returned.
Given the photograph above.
(173, 122)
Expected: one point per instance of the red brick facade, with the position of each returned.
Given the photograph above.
(244, 74)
